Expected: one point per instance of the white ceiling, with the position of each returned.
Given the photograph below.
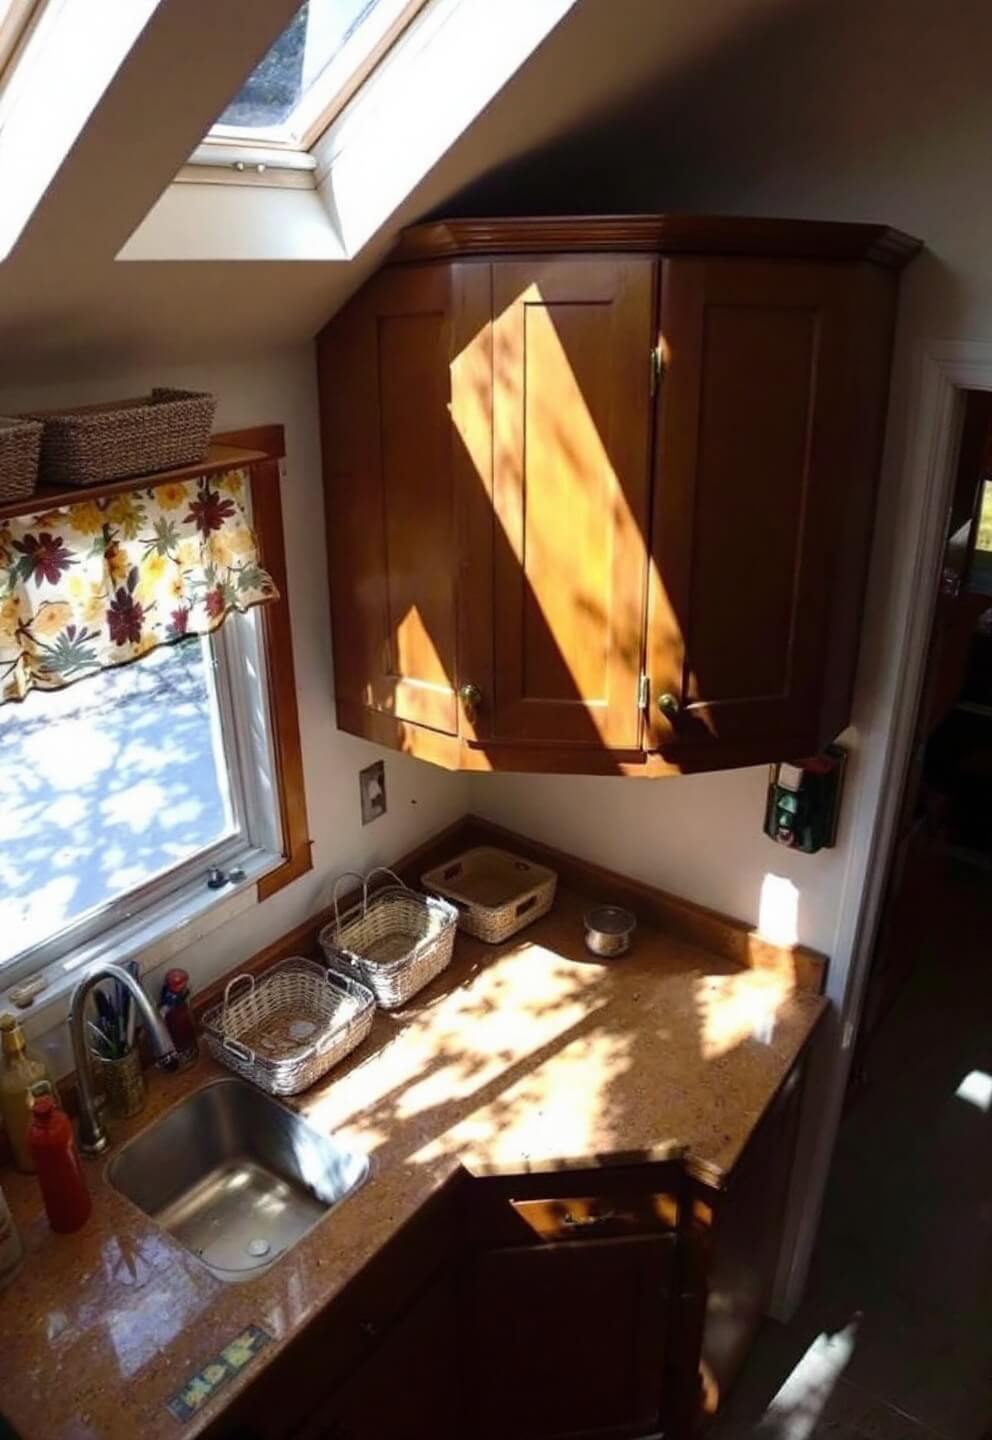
(66, 303)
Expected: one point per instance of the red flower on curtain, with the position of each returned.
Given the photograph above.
(209, 510)
(215, 603)
(124, 618)
(43, 558)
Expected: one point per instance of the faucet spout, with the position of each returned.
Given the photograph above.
(93, 1137)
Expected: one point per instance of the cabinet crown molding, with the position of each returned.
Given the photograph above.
(662, 234)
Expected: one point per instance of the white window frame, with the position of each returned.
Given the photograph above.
(128, 924)
(325, 97)
(14, 28)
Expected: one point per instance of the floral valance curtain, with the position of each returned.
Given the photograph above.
(103, 581)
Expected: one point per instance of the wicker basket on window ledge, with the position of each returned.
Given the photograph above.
(94, 444)
(20, 446)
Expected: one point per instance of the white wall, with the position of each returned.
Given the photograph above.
(281, 387)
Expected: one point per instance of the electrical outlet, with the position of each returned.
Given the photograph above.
(372, 791)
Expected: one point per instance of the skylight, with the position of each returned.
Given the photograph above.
(311, 71)
(14, 18)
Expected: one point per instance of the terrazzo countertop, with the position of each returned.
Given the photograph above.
(524, 1057)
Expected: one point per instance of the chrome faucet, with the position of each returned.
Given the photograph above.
(93, 1137)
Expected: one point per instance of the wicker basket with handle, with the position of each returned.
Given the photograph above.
(497, 893)
(290, 1028)
(20, 447)
(93, 444)
(396, 940)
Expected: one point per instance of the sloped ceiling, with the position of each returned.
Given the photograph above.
(67, 304)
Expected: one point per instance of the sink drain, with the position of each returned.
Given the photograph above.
(258, 1247)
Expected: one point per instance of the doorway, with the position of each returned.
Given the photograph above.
(894, 1335)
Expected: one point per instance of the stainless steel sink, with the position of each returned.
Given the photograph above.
(235, 1176)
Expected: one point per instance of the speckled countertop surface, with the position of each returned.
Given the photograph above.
(528, 1056)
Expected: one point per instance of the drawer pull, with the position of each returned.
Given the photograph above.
(583, 1222)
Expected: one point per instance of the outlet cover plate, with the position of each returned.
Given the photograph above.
(372, 791)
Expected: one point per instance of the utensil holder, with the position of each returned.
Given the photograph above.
(123, 1083)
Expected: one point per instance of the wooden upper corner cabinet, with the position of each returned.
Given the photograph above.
(600, 491)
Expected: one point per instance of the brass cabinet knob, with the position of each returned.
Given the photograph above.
(471, 696)
(668, 704)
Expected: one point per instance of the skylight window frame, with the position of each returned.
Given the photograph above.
(321, 104)
(15, 27)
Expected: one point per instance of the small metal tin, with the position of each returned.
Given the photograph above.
(608, 929)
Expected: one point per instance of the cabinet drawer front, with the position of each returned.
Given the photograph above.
(596, 1216)
(571, 433)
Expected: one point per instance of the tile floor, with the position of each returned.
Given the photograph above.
(894, 1338)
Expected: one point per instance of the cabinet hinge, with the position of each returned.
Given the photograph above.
(657, 367)
(643, 691)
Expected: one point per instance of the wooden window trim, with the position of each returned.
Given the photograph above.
(277, 632)
(283, 709)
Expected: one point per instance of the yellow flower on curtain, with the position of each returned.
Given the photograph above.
(152, 572)
(126, 512)
(221, 551)
(105, 581)
(10, 614)
(118, 563)
(51, 617)
(87, 518)
(231, 484)
(170, 497)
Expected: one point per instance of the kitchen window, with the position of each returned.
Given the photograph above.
(134, 800)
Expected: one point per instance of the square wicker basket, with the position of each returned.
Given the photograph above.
(496, 892)
(20, 448)
(395, 940)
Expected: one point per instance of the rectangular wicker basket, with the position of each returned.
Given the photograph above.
(395, 940)
(290, 1028)
(496, 893)
(93, 444)
(20, 447)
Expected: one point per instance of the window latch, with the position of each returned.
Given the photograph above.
(218, 878)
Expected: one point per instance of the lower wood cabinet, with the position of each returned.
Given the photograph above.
(569, 1338)
(408, 1387)
(609, 1304)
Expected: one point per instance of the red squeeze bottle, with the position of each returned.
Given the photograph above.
(58, 1166)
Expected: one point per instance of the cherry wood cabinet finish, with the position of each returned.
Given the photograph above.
(578, 466)
(568, 1339)
(749, 493)
(571, 438)
(403, 371)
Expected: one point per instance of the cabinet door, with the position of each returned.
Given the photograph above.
(405, 374)
(752, 467)
(571, 414)
(407, 1389)
(568, 1339)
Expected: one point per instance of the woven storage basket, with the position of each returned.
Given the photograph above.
(290, 1028)
(94, 444)
(20, 447)
(396, 940)
(497, 893)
